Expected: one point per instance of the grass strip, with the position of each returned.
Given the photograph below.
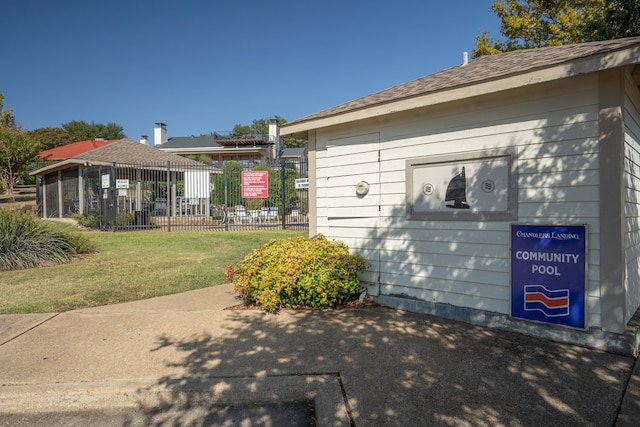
(130, 266)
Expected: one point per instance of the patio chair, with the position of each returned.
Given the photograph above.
(273, 213)
(264, 214)
(160, 206)
(241, 215)
(269, 214)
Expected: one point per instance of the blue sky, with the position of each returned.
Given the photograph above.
(204, 66)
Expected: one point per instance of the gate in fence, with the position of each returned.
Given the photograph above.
(195, 196)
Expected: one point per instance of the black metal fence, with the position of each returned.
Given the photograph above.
(194, 196)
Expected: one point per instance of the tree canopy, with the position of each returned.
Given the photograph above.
(73, 131)
(6, 116)
(17, 149)
(80, 130)
(261, 127)
(51, 137)
(620, 18)
(527, 24)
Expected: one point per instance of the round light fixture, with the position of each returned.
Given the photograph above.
(362, 188)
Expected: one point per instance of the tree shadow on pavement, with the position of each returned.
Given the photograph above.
(397, 368)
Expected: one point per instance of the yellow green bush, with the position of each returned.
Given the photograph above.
(298, 272)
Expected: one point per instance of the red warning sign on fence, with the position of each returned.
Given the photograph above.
(255, 184)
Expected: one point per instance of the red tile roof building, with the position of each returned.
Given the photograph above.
(71, 150)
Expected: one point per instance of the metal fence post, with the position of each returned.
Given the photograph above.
(168, 196)
(226, 195)
(283, 192)
(101, 203)
(173, 211)
(113, 198)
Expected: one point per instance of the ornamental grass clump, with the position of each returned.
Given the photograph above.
(27, 242)
(298, 272)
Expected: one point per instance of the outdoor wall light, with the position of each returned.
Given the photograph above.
(362, 188)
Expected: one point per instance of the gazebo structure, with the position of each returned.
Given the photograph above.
(124, 179)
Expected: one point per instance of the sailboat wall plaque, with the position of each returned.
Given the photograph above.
(457, 192)
(471, 186)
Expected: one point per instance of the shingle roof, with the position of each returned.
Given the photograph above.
(485, 68)
(204, 141)
(130, 152)
(182, 143)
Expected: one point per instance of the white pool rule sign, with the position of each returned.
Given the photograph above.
(302, 183)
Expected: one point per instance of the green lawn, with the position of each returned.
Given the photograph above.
(130, 266)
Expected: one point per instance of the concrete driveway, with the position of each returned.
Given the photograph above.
(187, 359)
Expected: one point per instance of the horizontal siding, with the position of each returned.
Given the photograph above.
(428, 292)
(450, 278)
(632, 197)
(559, 211)
(554, 133)
(345, 186)
(563, 195)
(351, 211)
(334, 171)
(543, 165)
(589, 177)
(345, 162)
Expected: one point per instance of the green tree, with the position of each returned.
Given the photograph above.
(83, 131)
(234, 191)
(17, 151)
(275, 187)
(261, 127)
(202, 158)
(240, 130)
(615, 19)
(527, 24)
(6, 116)
(51, 137)
(234, 188)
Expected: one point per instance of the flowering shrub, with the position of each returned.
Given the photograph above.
(298, 272)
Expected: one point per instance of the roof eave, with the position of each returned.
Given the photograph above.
(189, 150)
(213, 150)
(300, 129)
(65, 164)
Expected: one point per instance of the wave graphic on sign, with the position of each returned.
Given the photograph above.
(551, 302)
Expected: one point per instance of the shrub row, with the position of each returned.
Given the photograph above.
(298, 272)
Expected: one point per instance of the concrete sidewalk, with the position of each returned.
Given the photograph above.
(185, 360)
